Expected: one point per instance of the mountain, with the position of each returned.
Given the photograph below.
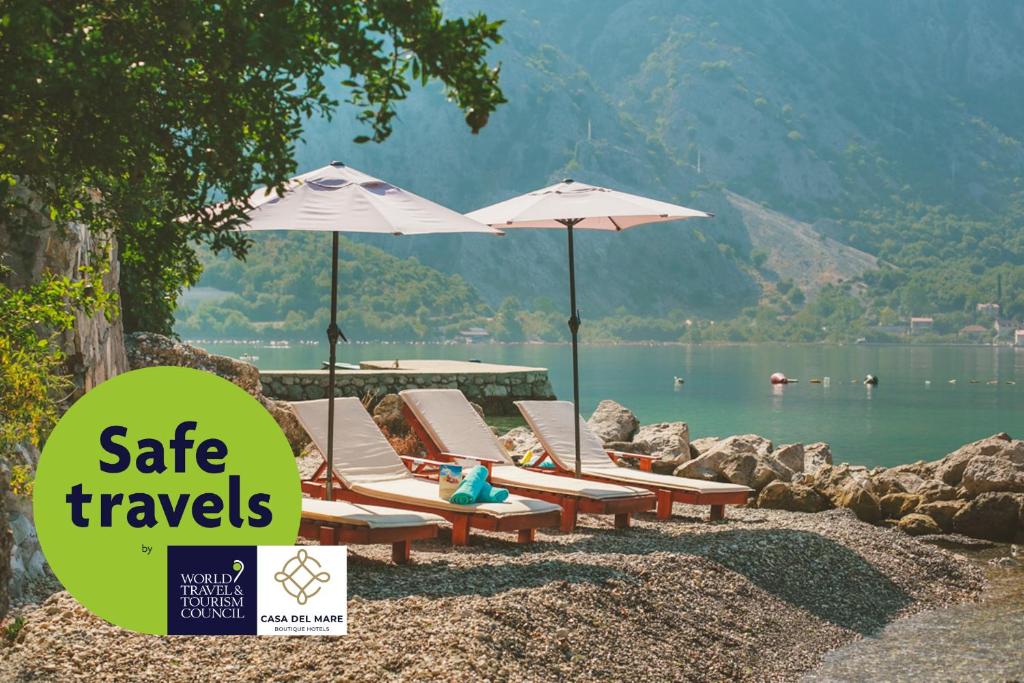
(876, 145)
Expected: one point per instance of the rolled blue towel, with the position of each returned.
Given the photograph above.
(547, 465)
(492, 494)
(472, 483)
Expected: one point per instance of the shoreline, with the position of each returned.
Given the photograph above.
(763, 595)
(266, 343)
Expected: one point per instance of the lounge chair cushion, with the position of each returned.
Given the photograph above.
(510, 475)
(372, 516)
(423, 493)
(551, 422)
(361, 453)
(453, 424)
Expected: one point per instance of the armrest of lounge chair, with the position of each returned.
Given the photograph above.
(486, 462)
(645, 460)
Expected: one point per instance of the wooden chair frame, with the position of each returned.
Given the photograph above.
(525, 525)
(336, 533)
(571, 504)
(666, 496)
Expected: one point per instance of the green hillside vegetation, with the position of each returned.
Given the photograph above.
(888, 127)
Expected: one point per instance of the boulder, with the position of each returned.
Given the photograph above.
(635, 446)
(779, 495)
(289, 423)
(738, 468)
(855, 497)
(816, 455)
(828, 480)
(703, 444)
(898, 505)
(993, 516)
(942, 511)
(668, 440)
(896, 480)
(613, 422)
(146, 349)
(951, 468)
(790, 456)
(986, 473)
(709, 465)
(919, 525)
(932, 490)
(388, 415)
(520, 440)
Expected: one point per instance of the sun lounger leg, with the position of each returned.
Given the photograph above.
(568, 515)
(622, 520)
(717, 512)
(400, 552)
(527, 536)
(664, 504)
(460, 530)
(328, 535)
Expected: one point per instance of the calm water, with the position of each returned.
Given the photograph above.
(727, 389)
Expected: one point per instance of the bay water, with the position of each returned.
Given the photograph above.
(929, 399)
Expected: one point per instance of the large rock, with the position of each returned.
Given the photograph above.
(613, 422)
(986, 473)
(951, 468)
(919, 525)
(146, 349)
(896, 480)
(855, 497)
(779, 495)
(816, 456)
(703, 444)
(709, 465)
(932, 490)
(898, 505)
(521, 440)
(790, 456)
(388, 415)
(670, 441)
(995, 516)
(942, 511)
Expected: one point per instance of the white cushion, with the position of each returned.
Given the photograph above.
(551, 422)
(453, 424)
(510, 475)
(372, 516)
(361, 452)
(424, 493)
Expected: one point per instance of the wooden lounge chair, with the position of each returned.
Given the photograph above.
(453, 431)
(551, 422)
(333, 522)
(367, 470)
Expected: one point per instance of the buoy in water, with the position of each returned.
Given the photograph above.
(779, 378)
(870, 380)
(680, 380)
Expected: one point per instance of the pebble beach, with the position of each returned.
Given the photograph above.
(761, 596)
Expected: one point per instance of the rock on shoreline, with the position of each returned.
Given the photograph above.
(977, 490)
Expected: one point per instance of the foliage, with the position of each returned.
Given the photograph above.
(21, 483)
(283, 290)
(13, 628)
(126, 115)
(32, 384)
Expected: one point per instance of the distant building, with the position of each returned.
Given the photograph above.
(474, 334)
(919, 324)
(1018, 338)
(991, 310)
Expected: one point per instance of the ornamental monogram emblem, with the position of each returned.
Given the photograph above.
(299, 574)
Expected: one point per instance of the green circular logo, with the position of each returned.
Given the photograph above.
(153, 458)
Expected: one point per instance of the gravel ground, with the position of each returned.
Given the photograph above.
(760, 596)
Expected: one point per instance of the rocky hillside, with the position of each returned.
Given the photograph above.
(892, 128)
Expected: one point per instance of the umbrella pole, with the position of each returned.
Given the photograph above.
(574, 328)
(333, 332)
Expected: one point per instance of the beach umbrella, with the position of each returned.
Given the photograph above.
(578, 206)
(338, 198)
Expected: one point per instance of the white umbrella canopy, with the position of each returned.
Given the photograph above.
(572, 205)
(338, 198)
(586, 206)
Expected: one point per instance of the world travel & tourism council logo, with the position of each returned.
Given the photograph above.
(265, 590)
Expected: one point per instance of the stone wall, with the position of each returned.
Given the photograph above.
(494, 391)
